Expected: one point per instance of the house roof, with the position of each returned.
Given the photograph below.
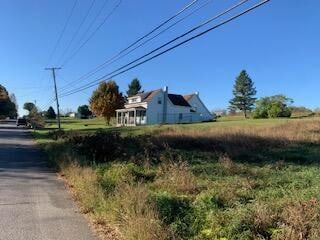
(178, 100)
(146, 96)
(188, 97)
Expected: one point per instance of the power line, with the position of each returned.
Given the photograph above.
(93, 21)
(62, 32)
(93, 33)
(169, 49)
(78, 30)
(171, 41)
(123, 52)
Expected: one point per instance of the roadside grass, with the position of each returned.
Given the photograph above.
(235, 179)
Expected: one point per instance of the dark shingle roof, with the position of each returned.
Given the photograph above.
(178, 100)
(146, 96)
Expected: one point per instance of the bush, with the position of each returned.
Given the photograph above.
(99, 147)
(272, 107)
(277, 110)
(56, 134)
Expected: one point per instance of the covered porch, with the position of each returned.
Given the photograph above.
(131, 116)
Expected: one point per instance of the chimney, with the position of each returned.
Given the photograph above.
(165, 105)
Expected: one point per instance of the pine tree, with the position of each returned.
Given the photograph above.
(51, 114)
(244, 92)
(134, 87)
(84, 111)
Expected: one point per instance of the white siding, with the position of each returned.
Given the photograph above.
(175, 114)
(200, 108)
(154, 109)
(174, 111)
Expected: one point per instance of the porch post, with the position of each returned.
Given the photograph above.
(134, 116)
(117, 120)
(121, 118)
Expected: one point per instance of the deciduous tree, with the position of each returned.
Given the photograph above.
(7, 107)
(29, 106)
(106, 99)
(273, 107)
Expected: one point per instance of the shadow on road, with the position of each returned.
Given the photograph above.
(18, 153)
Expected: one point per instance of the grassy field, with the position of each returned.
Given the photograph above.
(230, 179)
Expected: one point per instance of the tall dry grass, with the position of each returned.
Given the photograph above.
(239, 141)
(306, 130)
(128, 205)
(135, 215)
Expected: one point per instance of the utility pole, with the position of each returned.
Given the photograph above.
(53, 69)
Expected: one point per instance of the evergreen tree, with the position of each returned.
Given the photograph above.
(84, 111)
(51, 114)
(134, 87)
(244, 92)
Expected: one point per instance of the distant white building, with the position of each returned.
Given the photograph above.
(161, 107)
(72, 115)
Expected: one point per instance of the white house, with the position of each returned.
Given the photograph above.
(161, 107)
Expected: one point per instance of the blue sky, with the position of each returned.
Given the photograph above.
(278, 44)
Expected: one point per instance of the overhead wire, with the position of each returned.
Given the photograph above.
(124, 53)
(114, 73)
(62, 32)
(113, 10)
(77, 30)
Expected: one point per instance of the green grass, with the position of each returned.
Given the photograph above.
(230, 179)
(92, 125)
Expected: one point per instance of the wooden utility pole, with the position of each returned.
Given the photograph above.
(53, 69)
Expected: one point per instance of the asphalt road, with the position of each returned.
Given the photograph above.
(34, 204)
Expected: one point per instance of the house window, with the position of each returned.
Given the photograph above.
(180, 116)
(133, 100)
(159, 100)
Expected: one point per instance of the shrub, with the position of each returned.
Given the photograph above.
(273, 107)
(56, 134)
(99, 147)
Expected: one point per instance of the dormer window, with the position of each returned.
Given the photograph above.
(134, 100)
